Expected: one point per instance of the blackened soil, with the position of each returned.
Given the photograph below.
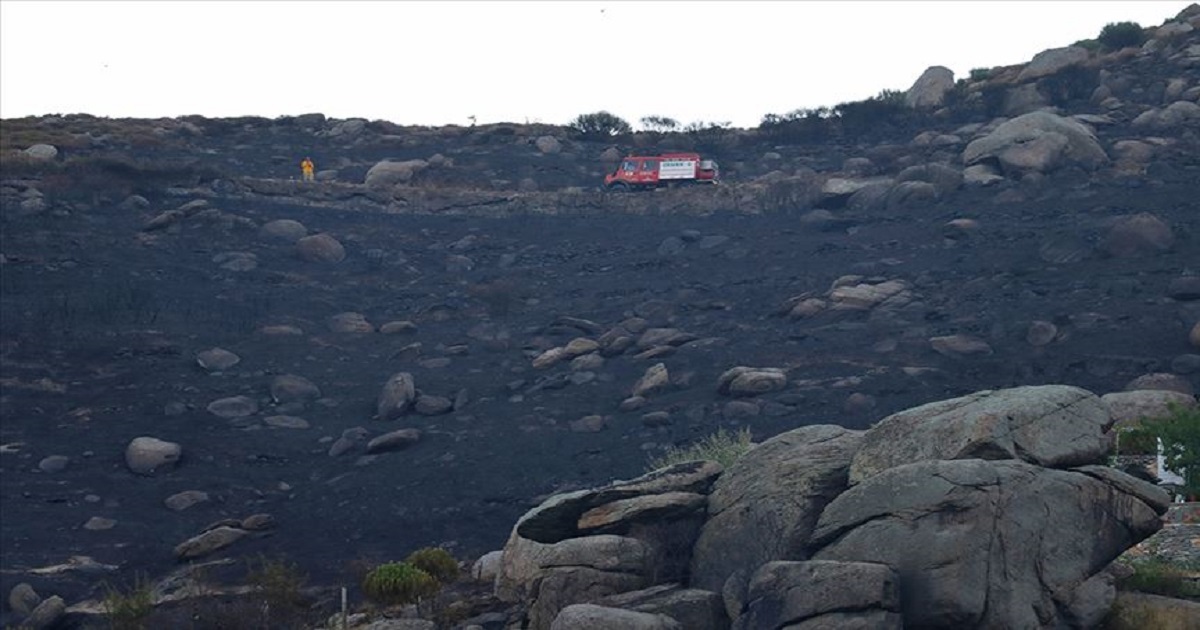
(101, 325)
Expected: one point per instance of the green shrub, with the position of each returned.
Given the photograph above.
(722, 447)
(1180, 435)
(436, 562)
(1118, 35)
(1089, 44)
(398, 583)
(599, 125)
(980, 74)
(1160, 577)
(128, 609)
(1136, 441)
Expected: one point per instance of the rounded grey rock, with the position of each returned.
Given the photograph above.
(54, 463)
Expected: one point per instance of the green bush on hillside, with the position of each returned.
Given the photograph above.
(1160, 577)
(1118, 35)
(1136, 441)
(398, 583)
(436, 562)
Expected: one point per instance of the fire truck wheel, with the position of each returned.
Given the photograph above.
(619, 187)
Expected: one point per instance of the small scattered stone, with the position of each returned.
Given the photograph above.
(859, 403)
(210, 541)
(550, 357)
(1163, 381)
(42, 151)
(589, 424)
(580, 346)
(280, 330)
(54, 463)
(588, 362)
(580, 378)
(432, 405)
(487, 566)
(320, 248)
(99, 523)
(398, 327)
(284, 230)
(394, 440)
(656, 419)
(286, 422)
(655, 379)
(740, 409)
(23, 599)
(287, 388)
(1185, 288)
(148, 455)
(1041, 333)
(217, 359)
(237, 261)
(633, 403)
(181, 501)
(349, 440)
(46, 614)
(233, 407)
(1186, 364)
(350, 323)
(258, 522)
(959, 345)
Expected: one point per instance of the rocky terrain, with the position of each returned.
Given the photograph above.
(204, 358)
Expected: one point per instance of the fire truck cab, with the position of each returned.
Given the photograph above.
(639, 172)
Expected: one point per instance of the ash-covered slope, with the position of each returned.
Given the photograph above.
(1034, 227)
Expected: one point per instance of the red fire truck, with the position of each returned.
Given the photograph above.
(640, 172)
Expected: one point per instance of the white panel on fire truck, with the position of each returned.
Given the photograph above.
(677, 169)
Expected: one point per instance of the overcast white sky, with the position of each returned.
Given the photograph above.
(434, 63)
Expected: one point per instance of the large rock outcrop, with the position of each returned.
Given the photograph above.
(580, 547)
(990, 544)
(765, 506)
(931, 88)
(1049, 425)
(1040, 142)
(986, 511)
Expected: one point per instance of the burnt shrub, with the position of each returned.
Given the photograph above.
(883, 112)
(599, 125)
(798, 126)
(992, 99)
(1069, 85)
(660, 124)
(113, 177)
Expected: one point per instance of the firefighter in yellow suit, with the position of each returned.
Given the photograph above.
(306, 169)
